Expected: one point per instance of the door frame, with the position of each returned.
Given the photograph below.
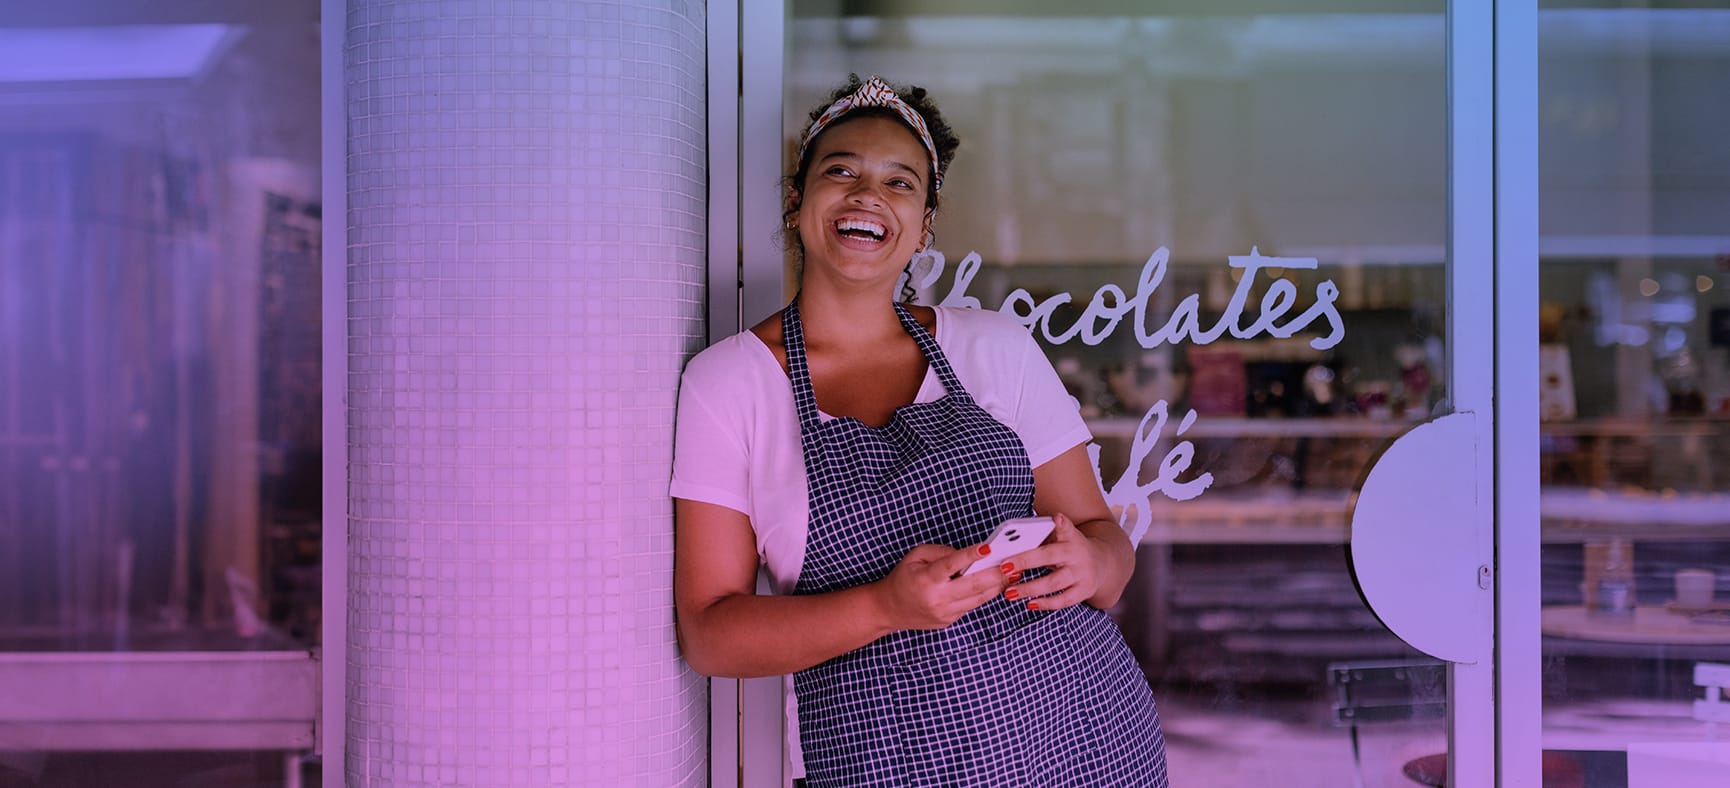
(745, 67)
(1518, 660)
(333, 546)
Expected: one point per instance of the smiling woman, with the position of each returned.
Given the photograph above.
(861, 212)
(916, 122)
(863, 450)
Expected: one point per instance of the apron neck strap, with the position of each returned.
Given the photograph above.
(933, 353)
(799, 369)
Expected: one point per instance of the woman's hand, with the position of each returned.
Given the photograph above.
(923, 592)
(1079, 567)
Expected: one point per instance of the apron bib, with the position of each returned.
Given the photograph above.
(1005, 696)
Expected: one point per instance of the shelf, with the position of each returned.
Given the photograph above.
(1634, 428)
(1578, 514)
(1274, 518)
(159, 701)
(1570, 515)
(1236, 427)
(1335, 427)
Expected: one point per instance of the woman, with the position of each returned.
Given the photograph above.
(862, 450)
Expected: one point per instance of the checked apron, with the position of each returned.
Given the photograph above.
(1005, 696)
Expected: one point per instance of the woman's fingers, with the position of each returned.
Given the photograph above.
(1052, 554)
(929, 554)
(1071, 579)
(1054, 591)
(988, 582)
(1056, 581)
(989, 587)
(939, 594)
(942, 593)
(1059, 548)
(1068, 597)
(957, 561)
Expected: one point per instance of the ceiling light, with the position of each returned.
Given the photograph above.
(74, 54)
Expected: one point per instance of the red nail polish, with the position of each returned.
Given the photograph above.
(1011, 594)
(985, 549)
(1032, 605)
(1008, 568)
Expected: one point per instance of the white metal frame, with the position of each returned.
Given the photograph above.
(331, 729)
(764, 40)
(764, 28)
(1471, 324)
(723, 303)
(1518, 661)
(747, 43)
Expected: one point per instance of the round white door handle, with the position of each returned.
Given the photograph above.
(1418, 527)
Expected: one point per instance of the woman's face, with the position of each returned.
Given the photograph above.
(862, 211)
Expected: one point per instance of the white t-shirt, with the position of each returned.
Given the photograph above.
(736, 443)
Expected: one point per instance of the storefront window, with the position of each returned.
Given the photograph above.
(1635, 377)
(1280, 178)
(160, 438)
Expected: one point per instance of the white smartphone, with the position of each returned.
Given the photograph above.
(1012, 538)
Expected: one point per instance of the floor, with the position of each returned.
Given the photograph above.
(148, 770)
(1218, 743)
(1213, 740)
(1293, 744)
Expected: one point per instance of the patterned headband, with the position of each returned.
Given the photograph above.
(875, 93)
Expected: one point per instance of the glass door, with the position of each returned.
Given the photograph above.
(1634, 357)
(1253, 242)
(160, 394)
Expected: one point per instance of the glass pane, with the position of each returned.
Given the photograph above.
(1635, 322)
(1251, 170)
(160, 483)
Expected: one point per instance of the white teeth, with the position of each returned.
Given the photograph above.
(876, 230)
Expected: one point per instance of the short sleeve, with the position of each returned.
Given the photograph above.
(1047, 418)
(710, 463)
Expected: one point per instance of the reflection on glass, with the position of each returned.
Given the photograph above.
(1301, 154)
(161, 411)
(1635, 326)
(159, 397)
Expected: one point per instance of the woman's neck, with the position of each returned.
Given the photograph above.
(858, 318)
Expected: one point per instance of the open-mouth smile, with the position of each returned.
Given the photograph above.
(861, 230)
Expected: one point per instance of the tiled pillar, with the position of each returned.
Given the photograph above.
(526, 259)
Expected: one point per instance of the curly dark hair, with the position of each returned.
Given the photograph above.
(942, 138)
